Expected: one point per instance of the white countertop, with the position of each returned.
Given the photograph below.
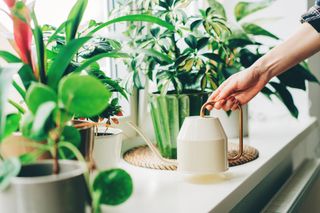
(166, 191)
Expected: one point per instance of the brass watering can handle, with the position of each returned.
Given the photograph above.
(202, 114)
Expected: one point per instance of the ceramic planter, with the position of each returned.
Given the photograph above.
(36, 190)
(168, 113)
(87, 138)
(16, 145)
(107, 148)
(231, 123)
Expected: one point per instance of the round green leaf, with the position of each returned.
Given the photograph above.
(114, 186)
(84, 96)
(42, 122)
(38, 94)
(12, 124)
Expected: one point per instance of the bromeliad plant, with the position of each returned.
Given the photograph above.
(247, 46)
(182, 60)
(54, 91)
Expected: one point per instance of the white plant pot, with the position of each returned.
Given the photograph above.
(107, 148)
(231, 123)
(37, 190)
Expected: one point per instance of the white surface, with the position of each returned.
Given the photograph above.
(165, 191)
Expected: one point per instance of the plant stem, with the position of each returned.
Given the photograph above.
(54, 137)
(17, 106)
(56, 168)
(175, 47)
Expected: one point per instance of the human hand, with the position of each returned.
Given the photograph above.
(239, 88)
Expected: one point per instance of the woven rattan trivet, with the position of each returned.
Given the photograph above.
(143, 157)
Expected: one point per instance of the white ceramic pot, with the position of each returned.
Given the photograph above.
(107, 148)
(231, 123)
(37, 190)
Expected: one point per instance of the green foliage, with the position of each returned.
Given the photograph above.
(38, 94)
(246, 50)
(84, 96)
(63, 59)
(9, 57)
(134, 18)
(38, 38)
(41, 122)
(6, 74)
(54, 94)
(71, 135)
(112, 187)
(251, 28)
(11, 124)
(175, 59)
(243, 9)
(285, 96)
(74, 19)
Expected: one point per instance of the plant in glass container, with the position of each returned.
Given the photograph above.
(182, 63)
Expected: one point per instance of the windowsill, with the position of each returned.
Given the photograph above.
(165, 191)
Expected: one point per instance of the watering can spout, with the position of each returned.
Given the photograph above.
(152, 146)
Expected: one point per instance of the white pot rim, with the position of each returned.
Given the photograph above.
(80, 170)
(110, 131)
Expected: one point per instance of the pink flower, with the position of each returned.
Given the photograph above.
(21, 30)
(23, 39)
(10, 3)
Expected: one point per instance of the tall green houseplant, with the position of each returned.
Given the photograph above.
(183, 64)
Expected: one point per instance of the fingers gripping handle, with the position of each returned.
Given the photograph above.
(240, 152)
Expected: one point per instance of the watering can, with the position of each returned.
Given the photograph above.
(202, 145)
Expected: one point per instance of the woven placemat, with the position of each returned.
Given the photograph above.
(143, 157)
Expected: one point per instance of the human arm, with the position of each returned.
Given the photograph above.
(243, 86)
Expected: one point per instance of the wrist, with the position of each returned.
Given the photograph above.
(261, 70)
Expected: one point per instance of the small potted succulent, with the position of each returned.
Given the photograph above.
(247, 43)
(183, 63)
(55, 90)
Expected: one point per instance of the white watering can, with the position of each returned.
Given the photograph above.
(202, 145)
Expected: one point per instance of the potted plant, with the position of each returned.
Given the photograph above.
(246, 46)
(89, 49)
(102, 142)
(55, 93)
(182, 64)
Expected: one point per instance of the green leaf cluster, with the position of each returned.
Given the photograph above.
(181, 59)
